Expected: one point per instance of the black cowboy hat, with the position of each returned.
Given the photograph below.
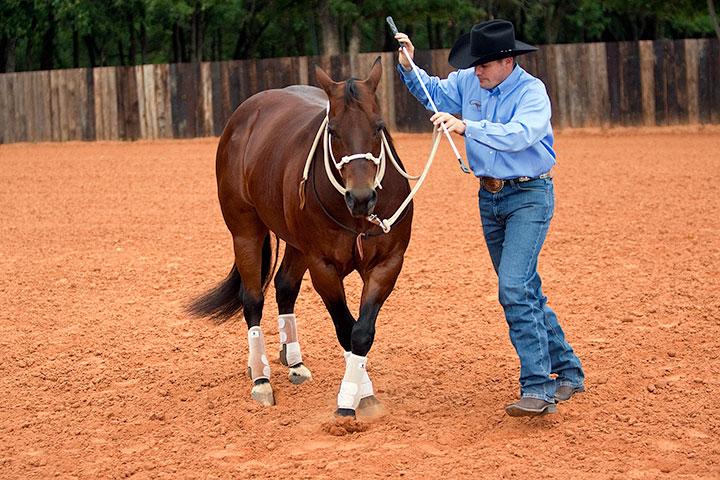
(486, 42)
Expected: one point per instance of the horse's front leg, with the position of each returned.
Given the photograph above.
(356, 389)
(328, 283)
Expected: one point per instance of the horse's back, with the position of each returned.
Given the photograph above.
(265, 141)
(310, 95)
(273, 115)
(277, 106)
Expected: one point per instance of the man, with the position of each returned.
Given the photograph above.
(509, 145)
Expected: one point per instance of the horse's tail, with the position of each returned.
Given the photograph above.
(226, 300)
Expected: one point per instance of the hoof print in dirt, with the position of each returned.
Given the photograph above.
(344, 426)
(370, 407)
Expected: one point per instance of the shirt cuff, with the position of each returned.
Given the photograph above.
(475, 130)
(403, 72)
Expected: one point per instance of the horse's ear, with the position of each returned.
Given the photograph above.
(324, 80)
(373, 79)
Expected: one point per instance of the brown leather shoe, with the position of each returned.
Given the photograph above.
(530, 407)
(564, 392)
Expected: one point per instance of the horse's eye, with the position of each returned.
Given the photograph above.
(379, 128)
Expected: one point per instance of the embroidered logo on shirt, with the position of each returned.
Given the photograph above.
(477, 103)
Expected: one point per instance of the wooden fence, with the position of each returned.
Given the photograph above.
(662, 82)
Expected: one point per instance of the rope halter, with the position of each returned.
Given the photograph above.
(380, 162)
(355, 156)
(330, 156)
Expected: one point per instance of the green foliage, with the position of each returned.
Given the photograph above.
(63, 33)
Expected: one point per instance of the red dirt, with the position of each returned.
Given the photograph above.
(103, 375)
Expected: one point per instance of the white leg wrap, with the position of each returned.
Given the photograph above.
(366, 387)
(349, 394)
(258, 366)
(289, 346)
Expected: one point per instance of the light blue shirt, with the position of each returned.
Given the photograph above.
(508, 132)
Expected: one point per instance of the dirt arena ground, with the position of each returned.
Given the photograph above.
(103, 374)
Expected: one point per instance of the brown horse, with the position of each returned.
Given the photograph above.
(261, 160)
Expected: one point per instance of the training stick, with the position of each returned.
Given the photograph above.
(394, 29)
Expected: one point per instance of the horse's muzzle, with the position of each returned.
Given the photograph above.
(361, 203)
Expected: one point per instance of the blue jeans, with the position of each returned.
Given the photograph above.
(515, 222)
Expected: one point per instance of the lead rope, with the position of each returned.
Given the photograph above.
(387, 224)
(306, 170)
(395, 163)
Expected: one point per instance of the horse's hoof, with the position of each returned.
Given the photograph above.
(345, 412)
(299, 373)
(263, 394)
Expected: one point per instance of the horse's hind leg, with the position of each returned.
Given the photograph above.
(287, 287)
(248, 243)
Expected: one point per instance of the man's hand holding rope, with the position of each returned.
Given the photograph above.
(453, 124)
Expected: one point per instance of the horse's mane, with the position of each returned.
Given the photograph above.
(352, 93)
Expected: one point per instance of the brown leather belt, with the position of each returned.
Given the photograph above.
(494, 185)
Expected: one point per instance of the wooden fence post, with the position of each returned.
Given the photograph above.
(661, 104)
(647, 81)
(677, 86)
(561, 87)
(713, 75)
(206, 95)
(184, 100)
(6, 115)
(613, 81)
(704, 80)
(598, 85)
(106, 109)
(18, 122)
(220, 96)
(691, 80)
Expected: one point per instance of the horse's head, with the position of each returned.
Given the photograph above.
(355, 130)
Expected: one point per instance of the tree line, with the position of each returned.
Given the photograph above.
(48, 34)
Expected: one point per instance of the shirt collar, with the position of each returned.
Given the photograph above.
(508, 83)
